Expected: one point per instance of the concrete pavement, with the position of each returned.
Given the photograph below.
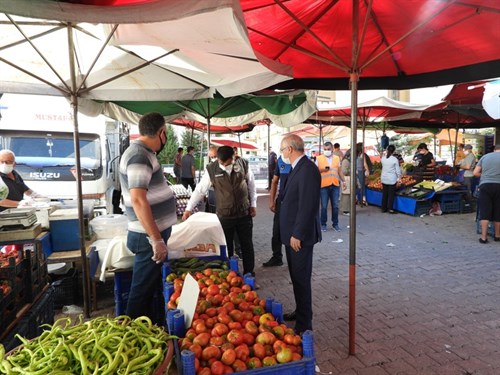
(427, 294)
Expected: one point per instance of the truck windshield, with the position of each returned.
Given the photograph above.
(41, 153)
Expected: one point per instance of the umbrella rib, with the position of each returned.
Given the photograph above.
(140, 66)
(384, 41)
(404, 36)
(99, 54)
(306, 29)
(300, 49)
(34, 76)
(146, 63)
(33, 37)
(37, 51)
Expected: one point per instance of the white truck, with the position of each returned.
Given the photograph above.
(39, 130)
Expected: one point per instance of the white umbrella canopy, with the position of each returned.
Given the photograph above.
(58, 48)
(185, 55)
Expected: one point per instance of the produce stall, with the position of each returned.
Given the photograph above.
(101, 345)
(229, 327)
(416, 198)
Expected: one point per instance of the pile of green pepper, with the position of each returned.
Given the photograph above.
(101, 346)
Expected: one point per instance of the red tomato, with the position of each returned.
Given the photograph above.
(228, 357)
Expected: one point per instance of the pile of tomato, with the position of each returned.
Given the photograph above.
(231, 330)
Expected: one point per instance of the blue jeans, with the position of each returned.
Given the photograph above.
(146, 278)
(330, 193)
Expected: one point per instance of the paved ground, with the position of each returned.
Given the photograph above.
(427, 294)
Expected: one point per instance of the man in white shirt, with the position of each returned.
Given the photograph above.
(236, 198)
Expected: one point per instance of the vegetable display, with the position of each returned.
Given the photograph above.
(102, 346)
(231, 330)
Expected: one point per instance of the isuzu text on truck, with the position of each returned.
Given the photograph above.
(39, 130)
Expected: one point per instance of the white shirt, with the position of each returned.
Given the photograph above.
(390, 170)
(202, 188)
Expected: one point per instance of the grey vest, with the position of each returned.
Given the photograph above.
(231, 192)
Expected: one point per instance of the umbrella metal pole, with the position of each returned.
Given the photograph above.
(352, 219)
(76, 138)
(353, 81)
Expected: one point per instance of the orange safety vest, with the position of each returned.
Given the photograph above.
(330, 177)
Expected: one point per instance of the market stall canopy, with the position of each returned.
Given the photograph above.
(372, 111)
(401, 44)
(463, 108)
(283, 109)
(163, 50)
(449, 137)
(234, 143)
(215, 129)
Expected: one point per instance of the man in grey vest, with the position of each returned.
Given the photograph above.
(236, 197)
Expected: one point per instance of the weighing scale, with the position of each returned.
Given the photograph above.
(17, 218)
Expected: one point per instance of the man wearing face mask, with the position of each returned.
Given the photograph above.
(331, 177)
(236, 197)
(151, 212)
(468, 164)
(13, 181)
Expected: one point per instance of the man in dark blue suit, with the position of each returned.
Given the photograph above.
(299, 225)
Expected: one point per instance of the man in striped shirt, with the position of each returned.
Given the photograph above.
(151, 212)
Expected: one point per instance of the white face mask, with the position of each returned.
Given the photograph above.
(213, 159)
(6, 168)
(327, 153)
(227, 168)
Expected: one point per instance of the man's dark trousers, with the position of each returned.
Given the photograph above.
(276, 239)
(243, 226)
(300, 267)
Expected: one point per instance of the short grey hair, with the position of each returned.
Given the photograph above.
(294, 141)
(5, 151)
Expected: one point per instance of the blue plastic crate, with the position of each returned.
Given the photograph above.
(306, 366)
(443, 198)
(23, 329)
(450, 207)
(42, 312)
(66, 289)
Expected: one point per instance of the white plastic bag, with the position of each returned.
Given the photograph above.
(117, 256)
(200, 235)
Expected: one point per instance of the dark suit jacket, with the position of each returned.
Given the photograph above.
(299, 211)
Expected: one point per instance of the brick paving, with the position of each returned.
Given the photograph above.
(429, 304)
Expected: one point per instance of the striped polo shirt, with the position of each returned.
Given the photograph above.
(139, 168)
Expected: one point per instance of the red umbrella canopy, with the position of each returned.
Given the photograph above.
(215, 129)
(233, 143)
(375, 110)
(401, 44)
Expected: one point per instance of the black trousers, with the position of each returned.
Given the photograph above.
(243, 226)
(188, 182)
(388, 192)
(300, 268)
(276, 238)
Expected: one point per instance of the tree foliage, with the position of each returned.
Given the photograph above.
(167, 156)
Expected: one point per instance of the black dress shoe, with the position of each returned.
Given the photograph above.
(483, 241)
(273, 262)
(290, 316)
(496, 239)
